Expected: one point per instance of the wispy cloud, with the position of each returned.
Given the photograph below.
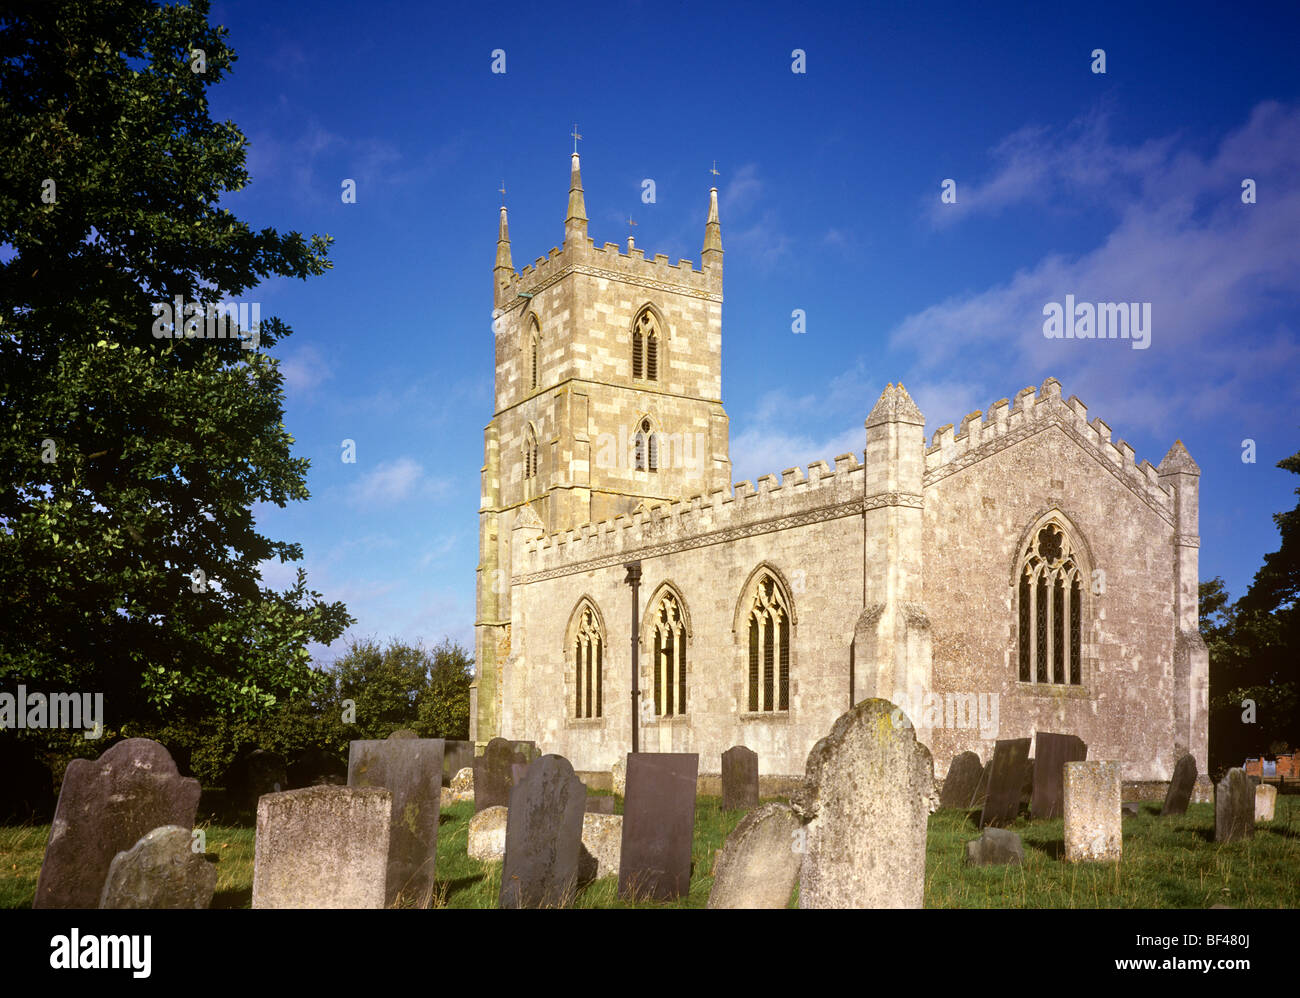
(393, 482)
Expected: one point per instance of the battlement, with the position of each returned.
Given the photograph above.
(1031, 410)
(790, 494)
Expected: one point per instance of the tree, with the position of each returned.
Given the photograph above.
(386, 685)
(130, 463)
(444, 709)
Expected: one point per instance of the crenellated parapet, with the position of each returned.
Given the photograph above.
(794, 498)
(980, 435)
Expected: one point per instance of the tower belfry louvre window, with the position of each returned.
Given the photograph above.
(669, 657)
(588, 654)
(534, 348)
(645, 346)
(769, 648)
(1050, 609)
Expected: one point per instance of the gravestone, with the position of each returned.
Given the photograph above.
(963, 778)
(517, 770)
(1027, 787)
(602, 845)
(1131, 809)
(739, 779)
(493, 776)
(1180, 787)
(322, 847)
(487, 834)
(1265, 802)
(1052, 752)
(658, 825)
(1234, 807)
(456, 755)
(759, 863)
(543, 836)
(410, 769)
(1006, 779)
(263, 773)
(1093, 825)
(599, 804)
(981, 795)
(403, 733)
(526, 751)
(316, 767)
(618, 777)
(995, 847)
(106, 807)
(162, 870)
(865, 801)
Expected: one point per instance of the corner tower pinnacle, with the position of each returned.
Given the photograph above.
(575, 223)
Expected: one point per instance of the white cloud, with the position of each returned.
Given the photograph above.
(393, 482)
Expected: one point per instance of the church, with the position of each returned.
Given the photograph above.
(1019, 569)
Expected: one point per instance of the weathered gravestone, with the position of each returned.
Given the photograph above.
(526, 751)
(487, 834)
(322, 847)
(981, 795)
(411, 769)
(543, 836)
(599, 804)
(316, 767)
(517, 770)
(1027, 787)
(602, 845)
(493, 776)
(1180, 787)
(106, 807)
(1006, 780)
(995, 847)
(1234, 807)
(1093, 824)
(456, 755)
(401, 733)
(865, 801)
(658, 825)
(963, 778)
(759, 863)
(162, 870)
(1265, 802)
(1051, 753)
(739, 778)
(618, 777)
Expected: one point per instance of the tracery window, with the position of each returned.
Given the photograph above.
(588, 655)
(1050, 607)
(669, 657)
(534, 347)
(645, 346)
(769, 647)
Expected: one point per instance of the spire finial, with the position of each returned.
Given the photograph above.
(714, 169)
(575, 223)
(502, 189)
(504, 268)
(576, 137)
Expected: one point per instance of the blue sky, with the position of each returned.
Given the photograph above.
(1117, 187)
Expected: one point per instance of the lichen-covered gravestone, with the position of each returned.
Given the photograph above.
(759, 863)
(1052, 752)
(602, 845)
(543, 836)
(411, 769)
(493, 775)
(961, 782)
(1093, 823)
(1180, 787)
(739, 779)
(487, 834)
(1234, 807)
(1265, 802)
(1006, 778)
(865, 800)
(658, 825)
(322, 847)
(106, 807)
(162, 870)
(618, 777)
(456, 755)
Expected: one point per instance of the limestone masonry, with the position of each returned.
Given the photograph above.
(1021, 561)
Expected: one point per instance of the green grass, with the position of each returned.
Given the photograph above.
(1168, 863)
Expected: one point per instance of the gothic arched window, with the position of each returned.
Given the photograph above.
(588, 655)
(769, 647)
(530, 461)
(534, 349)
(645, 346)
(1050, 607)
(668, 656)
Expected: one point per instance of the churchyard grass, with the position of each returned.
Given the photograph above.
(1168, 863)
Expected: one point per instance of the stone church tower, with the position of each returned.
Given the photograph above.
(608, 399)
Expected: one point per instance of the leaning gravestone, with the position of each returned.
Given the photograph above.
(1093, 823)
(1052, 752)
(759, 863)
(1180, 787)
(1234, 807)
(739, 779)
(493, 776)
(162, 870)
(456, 755)
(961, 782)
(543, 836)
(1265, 802)
(1006, 779)
(981, 795)
(411, 769)
(106, 807)
(658, 825)
(322, 847)
(865, 800)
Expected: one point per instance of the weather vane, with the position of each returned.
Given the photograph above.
(714, 169)
(502, 189)
(576, 137)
